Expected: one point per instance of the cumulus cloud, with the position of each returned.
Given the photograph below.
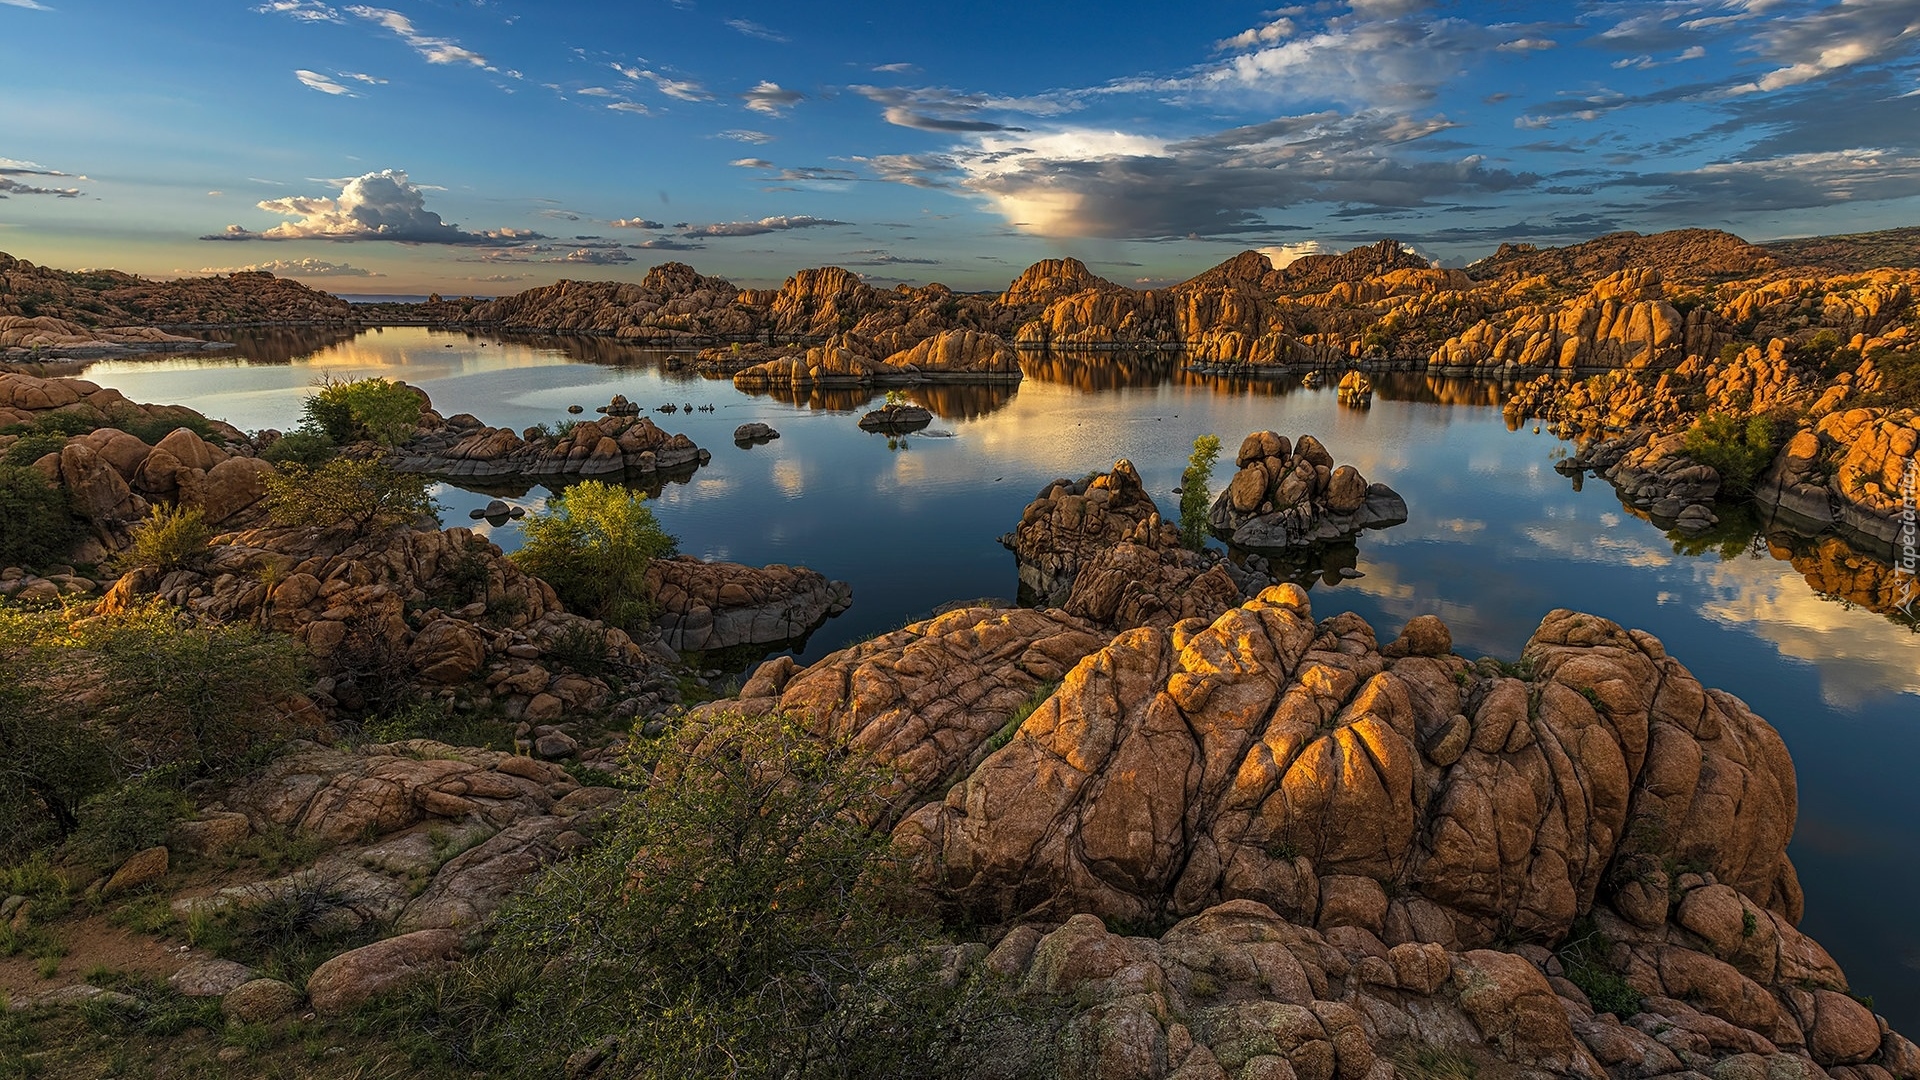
(11, 168)
(771, 99)
(635, 223)
(755, 30)
(308, 267)
(1285, 255)
(313, 80)
(596, 256)
(1844, 35)
(382, 205)
(436, 50)
(1079, 182)
(759, 228)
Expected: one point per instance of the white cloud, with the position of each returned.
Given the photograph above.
(683, 89)
(760, 227)
(313, 80)
(382, 205)
(437, 50)
(304, 10)
(747, 136)
(635, 223)
(361, 76)
(1527, 44)
(1278, 30)
(755, 30)
(1284, 255)
(894, 69)
(771, 99)
(633, 107)
(30, 5)
(11, 167)
(308, 267)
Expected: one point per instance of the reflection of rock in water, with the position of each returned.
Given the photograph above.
(1101, 370)
(1831, 566)
(963, 401)
(820, 398)
(284, 344)
(1303, 566)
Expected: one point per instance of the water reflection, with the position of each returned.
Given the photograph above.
(1496, 539)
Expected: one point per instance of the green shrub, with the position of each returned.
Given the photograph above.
(171, 538)
(1195, 497)
(33, 446)
(357, 493)
(1020, 714)
(740, 919)
(89, 705)
(593, 543)
(1585, 956)
(131, 817)
(309, 448)
(349, 411)
(37, 525)
(1739, 450)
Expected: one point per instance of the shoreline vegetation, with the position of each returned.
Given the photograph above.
(448, 817)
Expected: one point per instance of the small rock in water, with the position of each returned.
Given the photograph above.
(1351, 572)
(497, 509)
(576, 408)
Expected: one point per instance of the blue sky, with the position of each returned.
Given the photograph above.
(485, 146)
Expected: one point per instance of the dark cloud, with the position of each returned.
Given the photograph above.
(937, 109)
(9, 168)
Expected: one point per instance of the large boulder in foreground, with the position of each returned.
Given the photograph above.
(1288, 496)
(1174, 769)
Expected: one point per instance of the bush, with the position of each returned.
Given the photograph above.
(1738, 450)
(36, 520)
(593, 543)
(1195, 498)
(360, 494)
(33, 446)
(741, 919)
(1584, 955)
(349, 411)
(90, 705)
(131, 817)
(309, 448)
(172, 537)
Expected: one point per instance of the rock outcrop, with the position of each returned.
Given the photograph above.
(1348, 839)
(107, 300)
(615, 445)
(721, 605)
(1072, 521)
(1288, 496)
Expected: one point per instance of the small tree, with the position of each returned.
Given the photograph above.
(1195, 498)
(1738, 450)
(36, 520)
(348, 411)
(592, 543)
(358, 493)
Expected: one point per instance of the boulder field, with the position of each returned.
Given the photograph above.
(1263, 844)
(1291, 495)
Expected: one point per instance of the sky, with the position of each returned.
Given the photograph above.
(487, 146)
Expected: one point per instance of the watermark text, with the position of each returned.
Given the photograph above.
(1905, 558)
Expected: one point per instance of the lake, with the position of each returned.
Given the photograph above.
(1496, 539)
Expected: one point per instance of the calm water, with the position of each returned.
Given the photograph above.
(1496, 540)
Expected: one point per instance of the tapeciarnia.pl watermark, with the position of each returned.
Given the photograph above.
(1907, 588)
